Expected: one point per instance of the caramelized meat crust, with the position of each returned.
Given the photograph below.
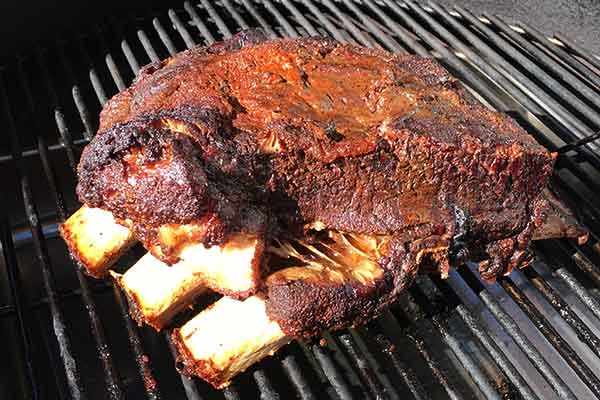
(269, 137)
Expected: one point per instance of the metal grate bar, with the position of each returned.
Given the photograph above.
(360, 36)
(553, 105)
(208, 37)
(94, 79)
(236, 16)
(435, 310)
(69, 363)
(231, 393)
(147, 46)
(113, 382)
(181, 29)
(592, 95)
(540, 74)
(65, 134)
(385, 25)
(189, 386)
(579, 290)
(18, 304)
(164, 36)
(82, 109)
(287, 27)
(142, 361)
(407, 375)
(581, 52)
(324, 21)
(388, 41)
(519, 92)
(405, 36)
(359, 361)
(261, 21)
(584, 333)
(300, 18)
(561, 345)
(433, 365)
(110, 62)
(216, 18)
(267, 391)
(134, 339)
(126, 48)
(513, 330)
(335, 377)
(292, 370)
(477, 329)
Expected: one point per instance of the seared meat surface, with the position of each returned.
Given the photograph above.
(302, 141)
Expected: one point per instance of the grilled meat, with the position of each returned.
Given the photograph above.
(364, 167)
(265, 137)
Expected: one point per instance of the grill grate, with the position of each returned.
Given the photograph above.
(533, 335)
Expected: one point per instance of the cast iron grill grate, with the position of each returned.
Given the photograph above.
(533, 335)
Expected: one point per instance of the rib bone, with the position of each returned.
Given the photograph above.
(95, 239)
(157, 291)
(227, 338)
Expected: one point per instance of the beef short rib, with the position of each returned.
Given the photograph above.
(293, 139)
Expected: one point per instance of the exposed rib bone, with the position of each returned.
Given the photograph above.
(157, 291)
(227, 338)
(95, 239)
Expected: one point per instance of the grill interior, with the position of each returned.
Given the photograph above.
(534, 334)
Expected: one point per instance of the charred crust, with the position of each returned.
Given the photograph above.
(134, 306)
(305, 309)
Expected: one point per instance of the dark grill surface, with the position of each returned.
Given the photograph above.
(535, 334)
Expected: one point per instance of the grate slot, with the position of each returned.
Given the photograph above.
(197, 22)
(261, 21)
(578, 85)
(438, 314)
(68, 360)
(476, 328)
(181, 29)
(563, 348)
(300, 18)
(223, 29)
(18, 306)
(511, 327)
(283, 22)
(581, 52)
